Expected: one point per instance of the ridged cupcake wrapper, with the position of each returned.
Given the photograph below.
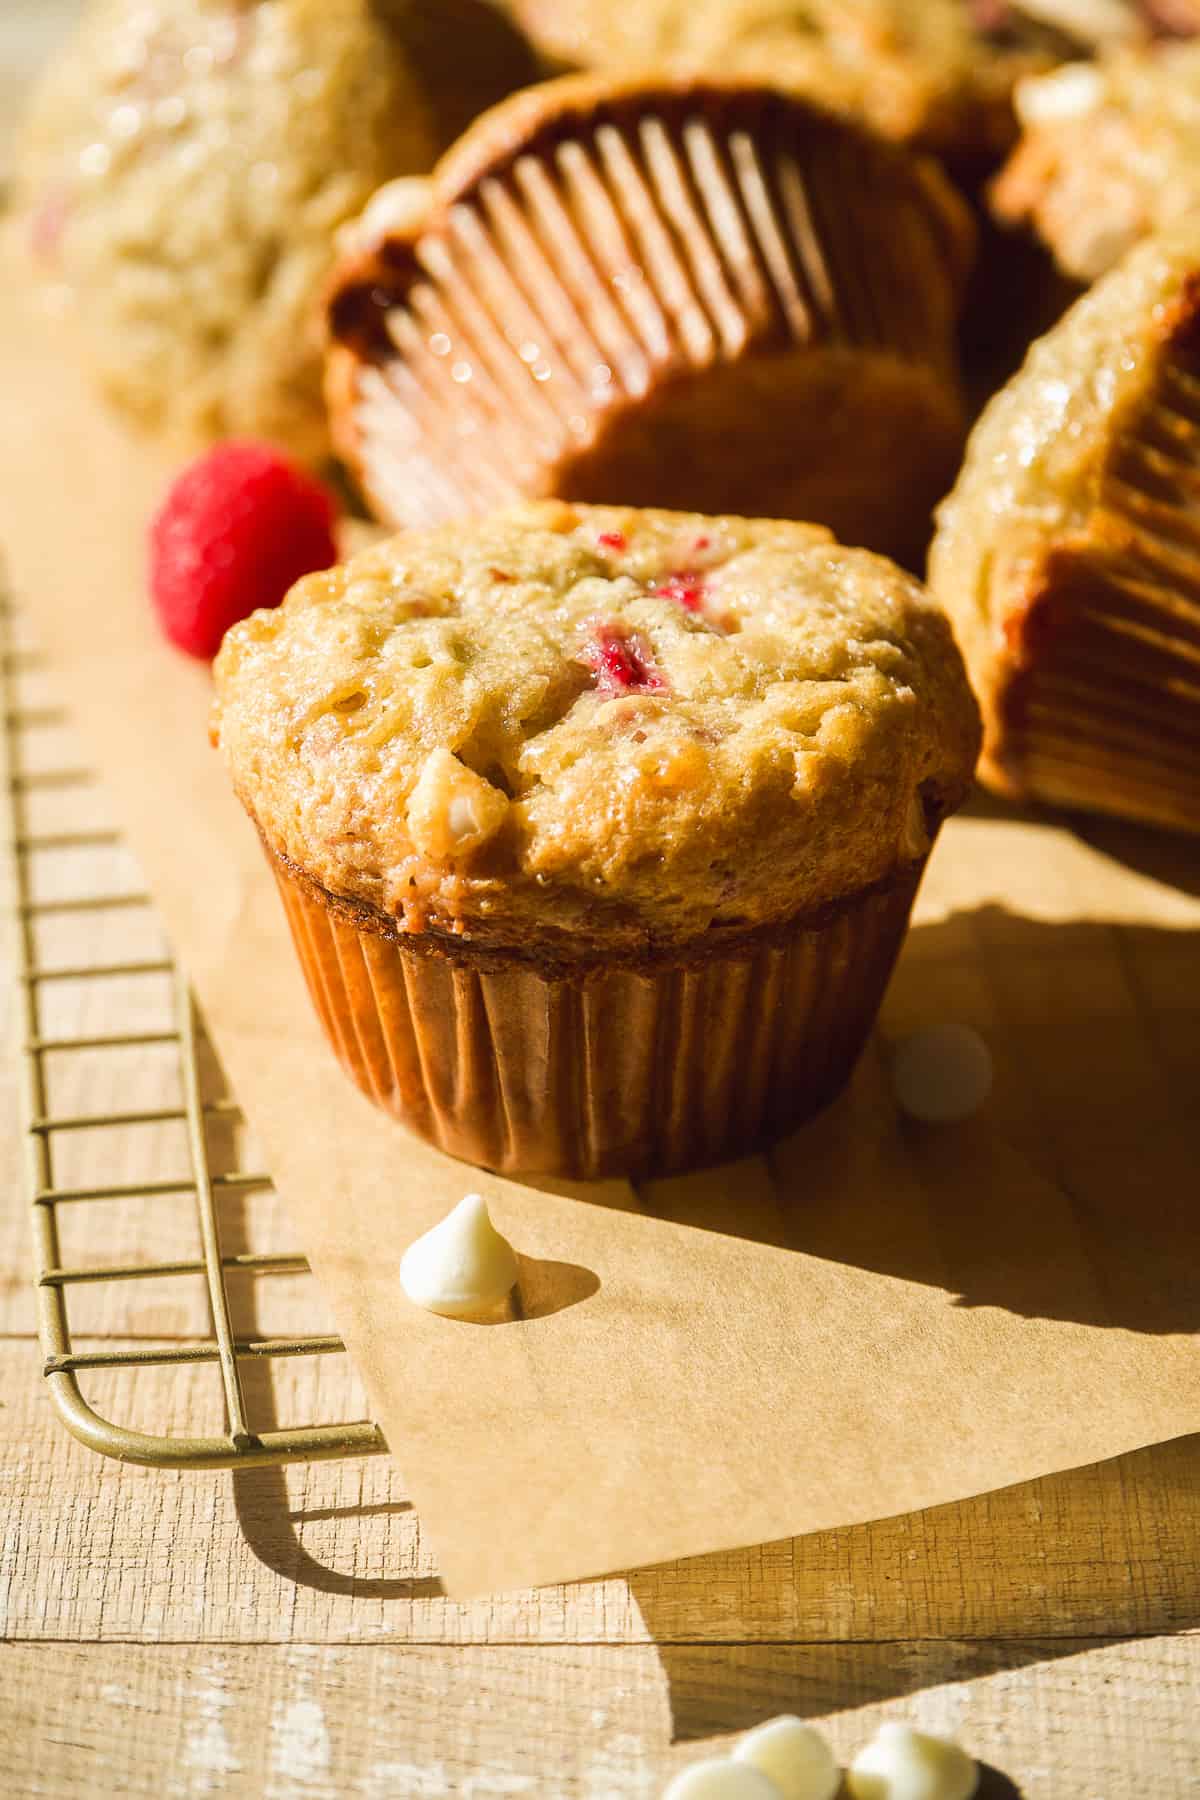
(1104, 712)
(616, 1070)
(619, 257)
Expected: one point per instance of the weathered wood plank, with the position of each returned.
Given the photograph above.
(1059, 1719)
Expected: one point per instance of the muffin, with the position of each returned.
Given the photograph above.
(939, 74)
(1068, 554)
(1110, 153)
(186, 165)
(598, 830)
(700, 294)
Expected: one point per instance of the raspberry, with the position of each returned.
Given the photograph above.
(622, 663)
(687, 591)
(613, 540)
(236, 529)
(47, 225)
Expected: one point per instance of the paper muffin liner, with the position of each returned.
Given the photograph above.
(717, 299)
(616, 1068)
(1103, 711)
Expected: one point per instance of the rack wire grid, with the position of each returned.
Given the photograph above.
(26, 776)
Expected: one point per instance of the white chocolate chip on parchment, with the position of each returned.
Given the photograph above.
(942, 1073)
(463, 1267)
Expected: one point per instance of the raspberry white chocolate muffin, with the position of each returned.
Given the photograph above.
(186, 165)
(1110, 154)
(939, 74)
(659, 293)
(571, 808)
(1068, 554)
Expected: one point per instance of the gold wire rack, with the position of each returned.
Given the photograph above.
(27, 776)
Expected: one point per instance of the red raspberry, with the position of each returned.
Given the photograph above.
(622, 662)
(688, 591)
(612, 540)
(236, 529)
(47, 225)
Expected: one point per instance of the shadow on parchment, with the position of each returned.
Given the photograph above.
(543, 1288)
(1172, 858)
(1071, 1196)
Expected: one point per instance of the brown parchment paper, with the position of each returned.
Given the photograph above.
(879, 1319)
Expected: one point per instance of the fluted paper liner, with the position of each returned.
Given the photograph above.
(1103, 708)
(649, 1068)
(726, 301)
(874, 1318)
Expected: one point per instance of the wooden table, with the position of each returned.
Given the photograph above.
(280, 1634)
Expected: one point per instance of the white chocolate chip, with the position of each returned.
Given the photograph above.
(942, 1073)
(399, 207)
(720, 1778)
(463, 1267)
(1101, 243)
(461, 817)
(794, 1756)
(914, 841)
(1069, 93)
(1088, 21)
(901, 1763)
(451, 809)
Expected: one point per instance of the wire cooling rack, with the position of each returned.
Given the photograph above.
(31, 773)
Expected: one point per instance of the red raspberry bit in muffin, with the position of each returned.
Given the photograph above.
(989, 15)
(613, 540)
(47, 225)
(687, 590)
(622, 663)
(1169, 18)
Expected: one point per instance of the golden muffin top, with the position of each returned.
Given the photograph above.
(185, 166)
(1047, 446)
(939, 73)
(1110, 154)
(569, 726)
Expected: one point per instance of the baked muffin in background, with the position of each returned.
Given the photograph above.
(186, 164)
(1068, 554)
(1110, 153)
(693, 294)
(938, 73)
(598, 830)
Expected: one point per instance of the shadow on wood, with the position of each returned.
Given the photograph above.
(995, 1785)
(846, 1619)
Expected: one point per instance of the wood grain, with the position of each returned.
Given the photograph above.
(593, 1722)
